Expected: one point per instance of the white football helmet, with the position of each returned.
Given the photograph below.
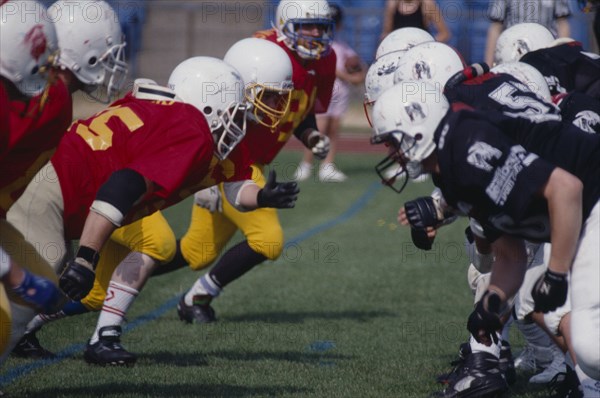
(91, 45)
(402, 40)
(216, 89)
(527, 75)
(405, 117)
(432, 62)
(520, 39)
(379, 78)
(267, 72)
(292, 15)
(28, 45)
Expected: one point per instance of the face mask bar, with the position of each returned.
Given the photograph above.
(393, 169)
(368, 107)
(309, 46)
(230, 132)
(264, 114)
(115, 72)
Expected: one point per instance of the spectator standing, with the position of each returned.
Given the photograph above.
(503, 14)
(422, 14)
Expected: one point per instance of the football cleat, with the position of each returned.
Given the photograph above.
(478, 376)
(199, 312)
(29, 347)
(108, 349)
(557, 366)
(463, 352)
(533, 358)
(566, 385)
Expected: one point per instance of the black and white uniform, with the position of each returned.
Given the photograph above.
(493, 167)
(566, 68)
(580, 109)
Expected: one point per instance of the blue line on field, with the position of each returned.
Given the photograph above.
(19, 371)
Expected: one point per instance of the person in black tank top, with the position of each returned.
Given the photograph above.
(421, 14)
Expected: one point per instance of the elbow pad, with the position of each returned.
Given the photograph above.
(118, 195)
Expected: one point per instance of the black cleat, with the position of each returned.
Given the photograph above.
(507, 364)
(29, 347)
(108, 350)
(463, 352)
(479, 376)
(199, 312)
(566, 385)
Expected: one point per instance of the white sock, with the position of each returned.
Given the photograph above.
(42, 319)
(118, 300)
(203, 286)
(506, 329)
(493, 349)
(591, 387)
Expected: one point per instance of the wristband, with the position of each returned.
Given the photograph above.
(88, 254)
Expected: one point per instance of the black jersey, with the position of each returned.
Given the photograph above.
(567, 68)
(493, 167)
(581, 110)
(504, 93)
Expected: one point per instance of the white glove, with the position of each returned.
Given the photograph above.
(318, 144)
(210, 199)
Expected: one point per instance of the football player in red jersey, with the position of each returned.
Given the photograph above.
(303, 29)
(28, 42)
(104, 167)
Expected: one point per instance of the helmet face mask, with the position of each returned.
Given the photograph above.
(269, 105)
(228, 128)
(296, 22)
(394, 169)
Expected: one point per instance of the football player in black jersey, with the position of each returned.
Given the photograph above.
(521, 179)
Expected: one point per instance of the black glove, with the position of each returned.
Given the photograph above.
(77, 279)
(421, 213)
(486, 317)
(550, 291)
(420, 239)
(280, 195)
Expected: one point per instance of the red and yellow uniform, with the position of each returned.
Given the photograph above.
(209, 232)
(36, 127)
(30, 131)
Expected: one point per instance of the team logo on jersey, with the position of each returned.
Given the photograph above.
(587, 121)
(35, 39)
(414, 110)
(481, 153)
(421, 71)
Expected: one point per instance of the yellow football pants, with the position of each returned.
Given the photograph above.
(151, 235)
(209, 232)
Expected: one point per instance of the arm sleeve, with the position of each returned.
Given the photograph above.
(309, 122)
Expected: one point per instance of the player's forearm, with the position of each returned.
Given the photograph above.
(563, 28)
(96, 231)
(248, 196)
(564, 194)
(510, 264)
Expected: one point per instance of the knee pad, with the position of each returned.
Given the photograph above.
(198, 256)
(269, 242)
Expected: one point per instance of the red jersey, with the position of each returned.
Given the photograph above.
(167, 142)
(313, 85)
(36, 127)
